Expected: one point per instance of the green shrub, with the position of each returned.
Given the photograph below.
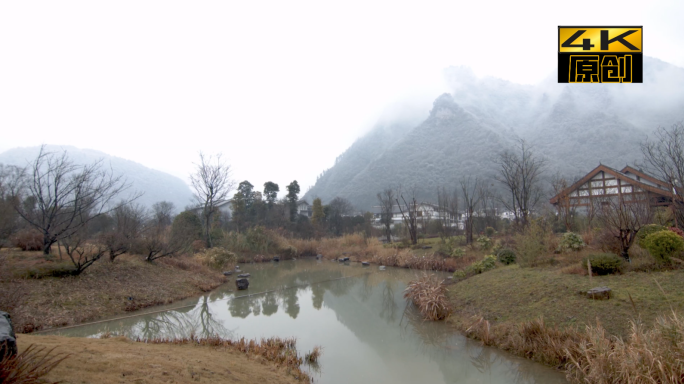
(531, 246)
(489, 231)
(449, 247)
(663, 244)
(647, 230)
(218, 258)
(257, 239)
(288, 252)
(489, 262)
(571, 241)
(484, 242)
(506, 256)
(603, 263)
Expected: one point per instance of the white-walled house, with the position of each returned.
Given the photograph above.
(602, 182)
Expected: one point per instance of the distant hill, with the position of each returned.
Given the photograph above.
(574, 126)
(156, 185)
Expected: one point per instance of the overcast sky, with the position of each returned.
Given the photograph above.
(281, 88)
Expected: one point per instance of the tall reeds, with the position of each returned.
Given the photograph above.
(429, 295)
(653, 355)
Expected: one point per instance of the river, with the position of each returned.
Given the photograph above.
(357, 314)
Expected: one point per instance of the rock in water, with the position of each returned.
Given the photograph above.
(277, 258)
(319, 256)
(365, 263)
(242, 284)
(8, 340)
(243, 275)
(599, 293)
(227, 273)
(382, 268)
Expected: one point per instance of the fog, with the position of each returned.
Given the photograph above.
(280, 88)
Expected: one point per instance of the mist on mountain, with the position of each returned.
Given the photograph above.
(155, 185)
(575, 127)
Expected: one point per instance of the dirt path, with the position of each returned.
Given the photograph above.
(119, 360)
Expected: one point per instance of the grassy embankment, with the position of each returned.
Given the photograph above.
(117, 359)
(37, 300)
(542, 313)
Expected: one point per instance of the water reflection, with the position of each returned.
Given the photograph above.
(357, 314)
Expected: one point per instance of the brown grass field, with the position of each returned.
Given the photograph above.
(105, 289)
(119, 360)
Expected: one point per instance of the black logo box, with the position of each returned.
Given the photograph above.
(564, 64)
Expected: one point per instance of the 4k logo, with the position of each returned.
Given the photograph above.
(600, 54)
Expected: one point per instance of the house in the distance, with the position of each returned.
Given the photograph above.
(304, 209)
(629, 184)
(425, 212)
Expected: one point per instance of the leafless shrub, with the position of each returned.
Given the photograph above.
(28, 240)
(29, 366)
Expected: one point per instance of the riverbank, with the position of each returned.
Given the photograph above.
(38, 301)
(543, 314)
(116, 360)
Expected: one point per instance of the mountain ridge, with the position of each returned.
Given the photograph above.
(574, 126)
(155, 185)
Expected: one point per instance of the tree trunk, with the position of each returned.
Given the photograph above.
(47, 245)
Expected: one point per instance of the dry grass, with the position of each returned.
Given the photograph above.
(105, 289)
(312, 357)
(280, 351)
(592, 356)
(429, 295)
(117, 359)
(29, 366)
(653, 355)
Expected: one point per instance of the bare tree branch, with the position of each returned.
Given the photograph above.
(65, 196)
(212, 184)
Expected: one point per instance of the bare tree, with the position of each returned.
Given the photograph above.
(665, 156)
(566, 207)
(409, 212)
(66, 197)
(158, 243)
(623, 218)
(10, 187)
(337, 209)
(520, 173)
(386, 199)
(129, 224)
(162, 213)
(212, 184)
(471, 199)
(486, 198)
(82, 253)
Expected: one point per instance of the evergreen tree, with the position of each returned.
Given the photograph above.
(271, 190)
(318, 215)
(292, 197)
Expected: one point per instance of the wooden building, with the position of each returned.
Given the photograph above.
(628, 184)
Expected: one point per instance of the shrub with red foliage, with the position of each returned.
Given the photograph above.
(677, 231)
(28, 240)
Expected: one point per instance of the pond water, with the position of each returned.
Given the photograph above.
(357, 314)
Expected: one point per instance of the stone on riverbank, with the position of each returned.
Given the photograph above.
(242, 284)
(599, 293)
